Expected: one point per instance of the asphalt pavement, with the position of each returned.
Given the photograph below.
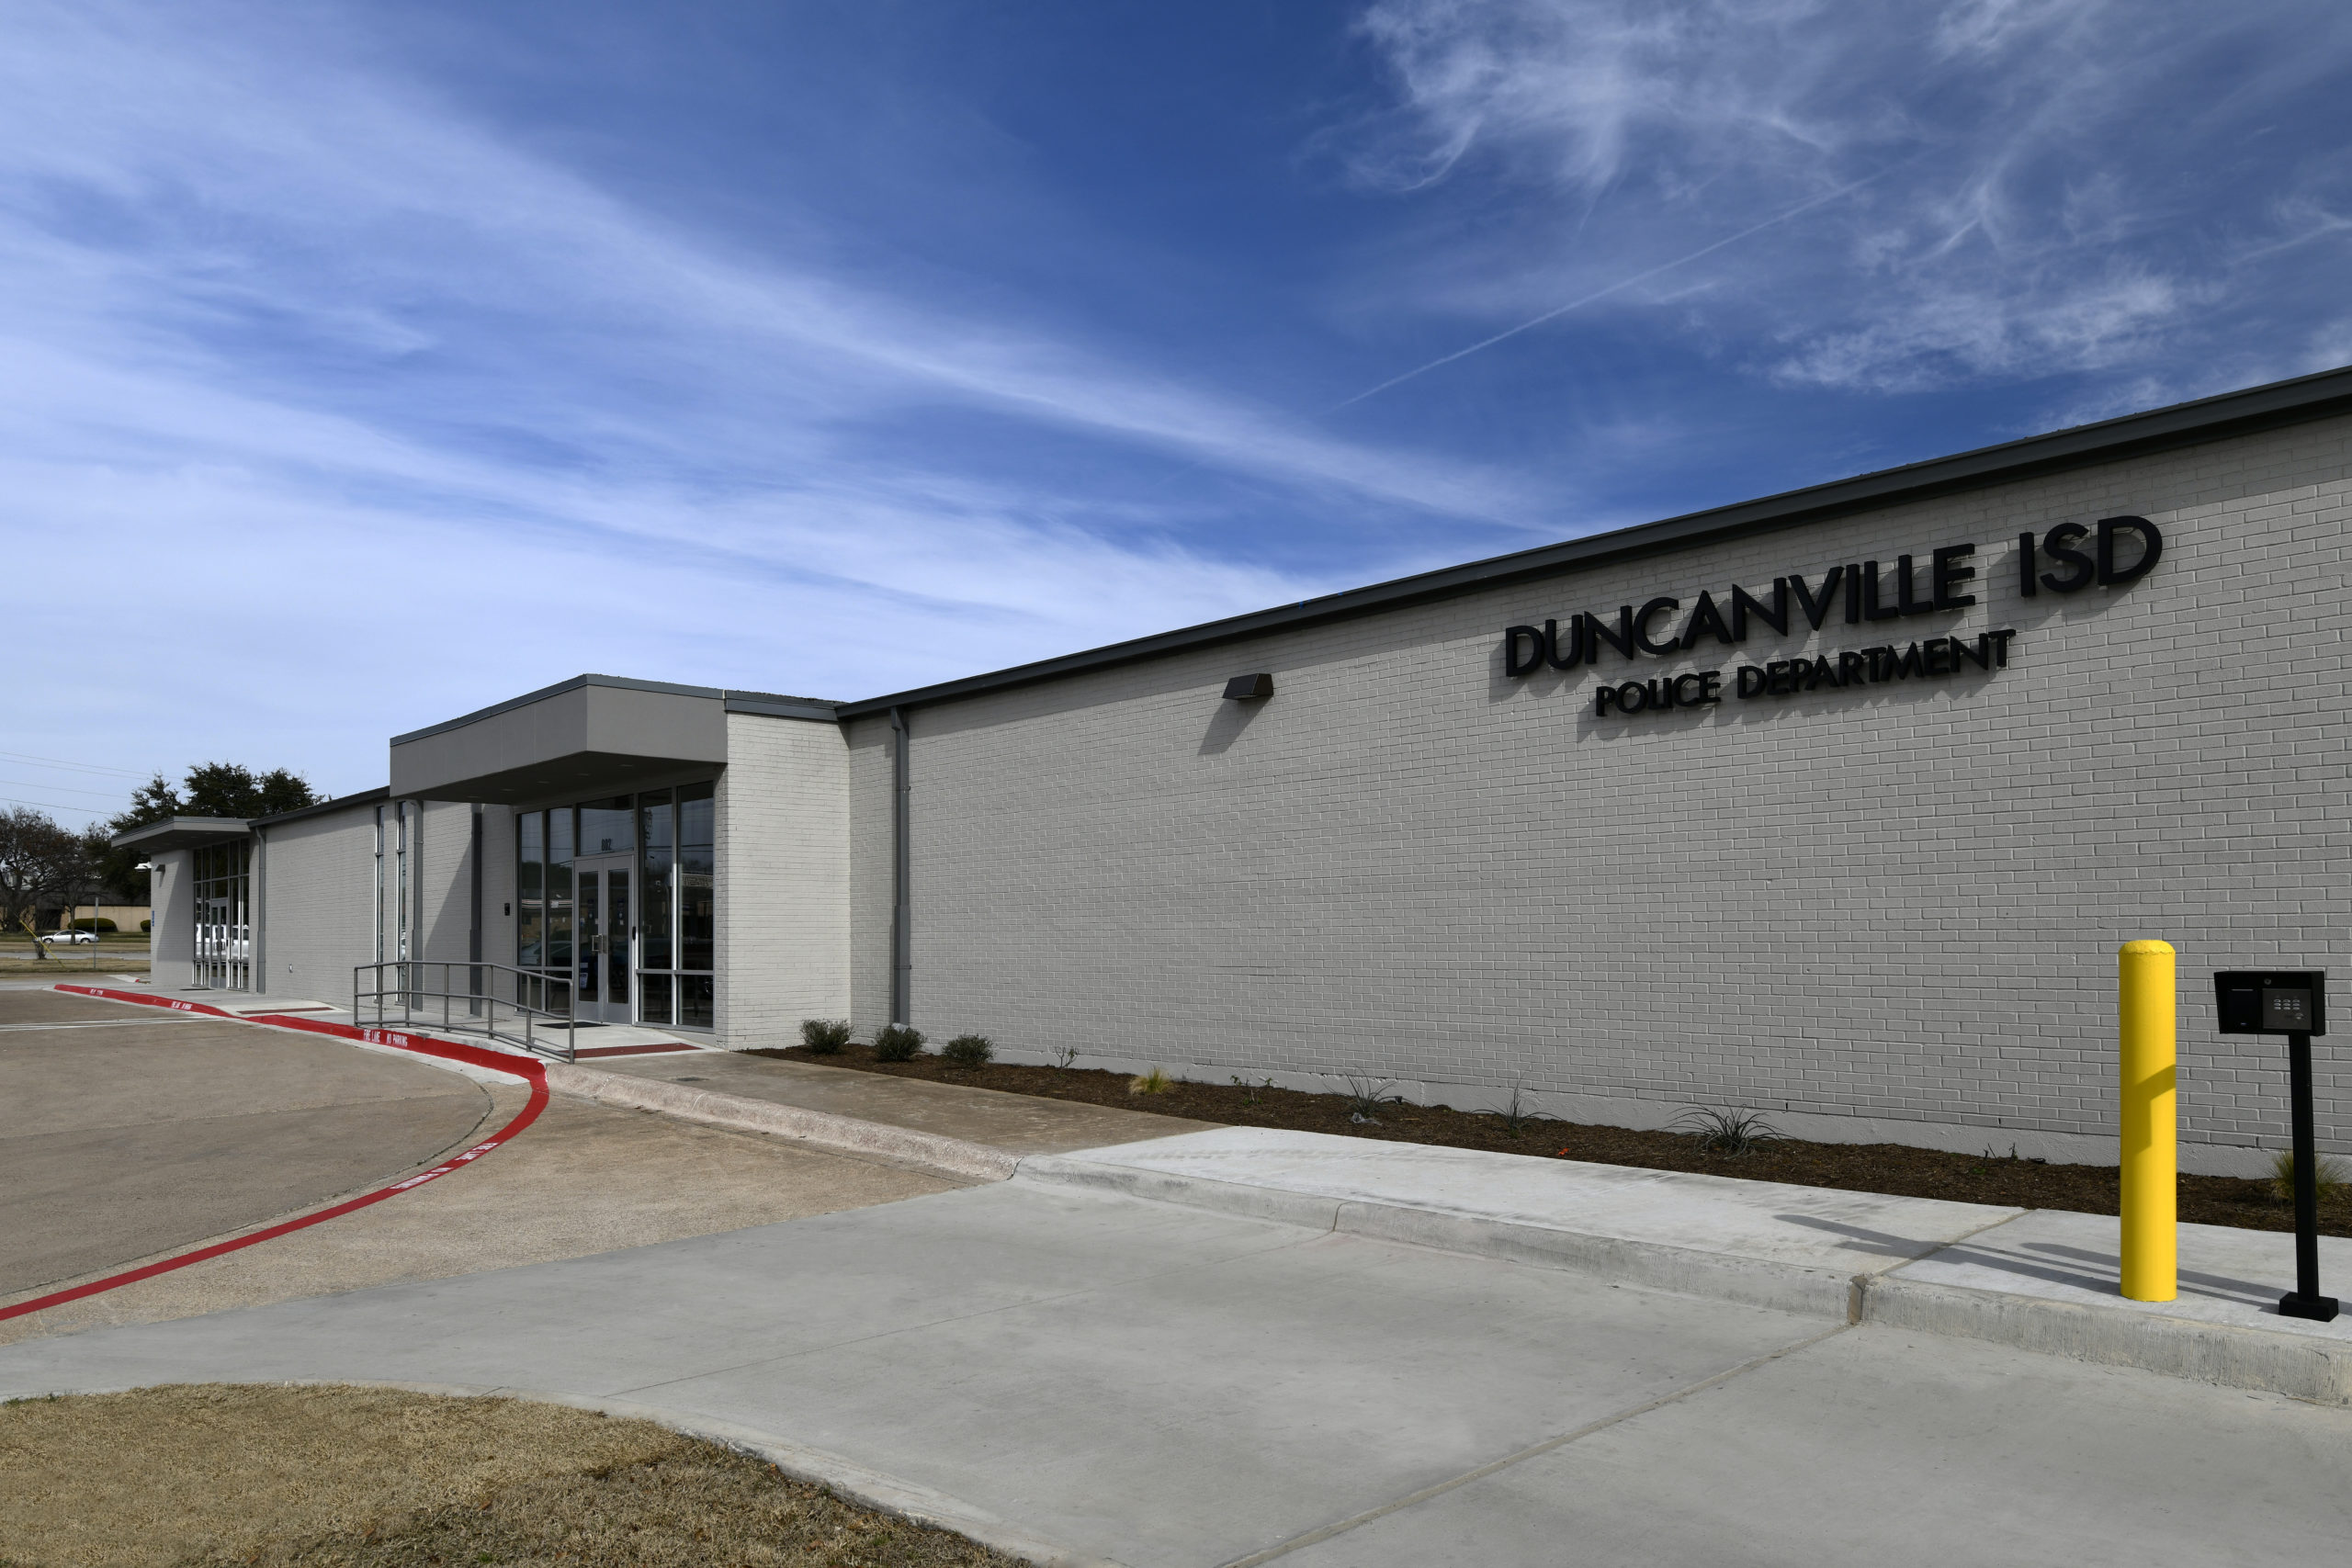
(126, 1132)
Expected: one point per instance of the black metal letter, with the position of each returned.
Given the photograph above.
(1512, 664)
(1871, 609)
(1622, 640)
(1816, 609)
(2152, 549)
(1649, 612)
(1575, 644)
(1744, 605)
(1706, 619)
(1949, 576)
(2059, 545)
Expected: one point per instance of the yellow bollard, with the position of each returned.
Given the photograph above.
(2151, 1122)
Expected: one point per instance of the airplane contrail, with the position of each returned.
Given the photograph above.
(1801, 208)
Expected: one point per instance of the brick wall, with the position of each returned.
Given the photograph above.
(321, 912)
(871, 891)
(320, 877)
(784, 871)
(1886, 912)
(172, 944)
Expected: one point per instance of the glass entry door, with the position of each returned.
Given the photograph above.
(600, 988)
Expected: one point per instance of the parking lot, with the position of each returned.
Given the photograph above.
(129, 1133)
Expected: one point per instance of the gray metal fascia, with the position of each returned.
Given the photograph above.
(178, 832)
(2299, 401)
(819, 706)
(376, 796)
(820, 713)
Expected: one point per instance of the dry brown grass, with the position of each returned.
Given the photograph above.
(208, 1475)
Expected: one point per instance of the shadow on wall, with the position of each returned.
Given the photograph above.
(1227, 724)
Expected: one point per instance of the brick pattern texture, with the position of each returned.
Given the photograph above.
(1896, 904)
(783, 879)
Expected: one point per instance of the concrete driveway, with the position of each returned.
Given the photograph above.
(1155, 1385)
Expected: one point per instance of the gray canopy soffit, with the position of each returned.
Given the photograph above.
(590, 735)
(182, 833)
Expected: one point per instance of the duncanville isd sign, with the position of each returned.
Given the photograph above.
(2124, 549)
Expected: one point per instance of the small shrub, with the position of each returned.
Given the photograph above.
(100, 924)
(824, 1036)
(1064, 1056)
(1152, 1082)
(969, 1050)
(898, 1042)
(1726, 1132)
(2328, 1174)
(148, 926)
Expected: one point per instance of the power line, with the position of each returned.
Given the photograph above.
(67, 789)
(76, 767)
(52, 805)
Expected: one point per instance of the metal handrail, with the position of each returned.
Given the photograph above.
(480, 1016)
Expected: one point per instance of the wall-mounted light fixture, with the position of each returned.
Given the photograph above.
(1248, 688)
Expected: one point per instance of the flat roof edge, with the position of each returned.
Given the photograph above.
(823, 712)
(618, 683)
(376, 796)
(174, 826)
(2252, 408)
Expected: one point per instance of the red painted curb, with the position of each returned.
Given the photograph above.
(521, 1067)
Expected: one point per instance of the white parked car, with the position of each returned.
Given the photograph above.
(76, 938)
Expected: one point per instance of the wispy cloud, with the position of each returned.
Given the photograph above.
(2085, 185)
(363, 389)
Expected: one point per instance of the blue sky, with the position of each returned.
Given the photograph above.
(368, 363)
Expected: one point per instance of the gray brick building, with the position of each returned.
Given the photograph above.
(1836, 804)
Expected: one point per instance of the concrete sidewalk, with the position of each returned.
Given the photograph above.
(2041, 1280)
(1089, 1378)
(1016, 1123)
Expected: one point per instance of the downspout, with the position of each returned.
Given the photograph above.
(257, 916)
(473, 931)
(901, 912)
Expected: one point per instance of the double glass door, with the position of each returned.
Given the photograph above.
(601, 990)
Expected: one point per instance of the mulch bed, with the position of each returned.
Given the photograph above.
(1897, 1168)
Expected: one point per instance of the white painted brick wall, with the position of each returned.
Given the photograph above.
(172, 943)
(1891, 911)
(870, 880)
(321, 885)
(783, 875)
(321, 872)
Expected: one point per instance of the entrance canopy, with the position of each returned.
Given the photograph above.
(182, 833)
(592, 733)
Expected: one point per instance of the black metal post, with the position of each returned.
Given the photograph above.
(2304, 1300)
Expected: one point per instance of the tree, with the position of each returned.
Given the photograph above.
(38, 859)
(211, 789)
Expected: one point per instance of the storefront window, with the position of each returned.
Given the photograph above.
(607, 827)
(223, 894)
(530, 866)
(672, 832)
(697, 900)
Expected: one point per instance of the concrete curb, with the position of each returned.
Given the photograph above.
(1782, 1287)
(904, 1146)
(2299, 1366)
